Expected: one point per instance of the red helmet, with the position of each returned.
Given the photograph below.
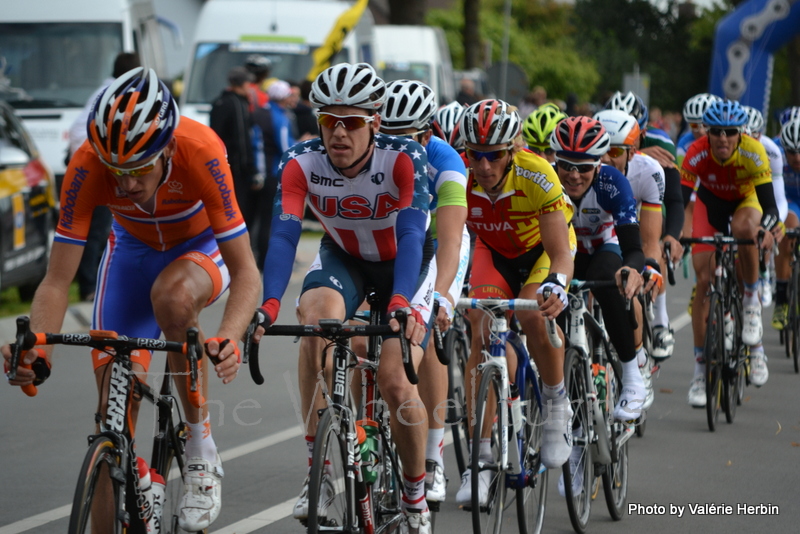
(579, 137)
(489, 122)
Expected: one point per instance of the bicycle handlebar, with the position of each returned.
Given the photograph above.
(335, 331)
(104, 340)
(250, 348)
(509, 305)
(670, 265)
(438, 341)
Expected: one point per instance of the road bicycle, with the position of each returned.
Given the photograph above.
(456, 346)
(516, 420)
(354, 454)
(727, 358)
(593, 378)
(791, 330)
(111, 460)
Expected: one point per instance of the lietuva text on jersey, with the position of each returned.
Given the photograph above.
(196, 193)
(358, 213)
(510, 223)
(733, 179)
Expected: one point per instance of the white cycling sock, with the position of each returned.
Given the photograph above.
(485, 451)
(435, 446)
(200, 442)
(631, 377)
(554, 392)
(751, 297)
(661, 318)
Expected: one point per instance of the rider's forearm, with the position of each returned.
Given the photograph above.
(245, 292)
(630, 242)
(450, 229)
(673, 202)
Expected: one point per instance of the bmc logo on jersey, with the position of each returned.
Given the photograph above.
(355, 206)
(325, 181)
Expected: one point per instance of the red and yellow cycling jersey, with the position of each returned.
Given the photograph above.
(196, 193)
(733, 179)
(510, 223)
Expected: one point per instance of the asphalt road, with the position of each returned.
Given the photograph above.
(677, 470)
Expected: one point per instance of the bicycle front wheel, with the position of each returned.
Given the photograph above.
(791, 330)
(615, 476)
(331, 495)
(578, 472)
(455, 344)
(488, 475)
(714, 352)
(97, 494)
(531, 499)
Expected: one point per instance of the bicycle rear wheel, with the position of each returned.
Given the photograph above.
(455, 344)
(615, 476)
(489, 517)
(387, 491)
(172, 450)
(733, 371)
(714, 352)
(331, 496)
(532, 498)
(100, 471)
(792, 328)
(579, 499)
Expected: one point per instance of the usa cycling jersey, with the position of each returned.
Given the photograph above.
(196, 193)
(647, 181)
(379, 215)
(608, 203)
(733, 179)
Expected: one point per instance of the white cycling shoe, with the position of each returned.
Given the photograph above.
(202, 497)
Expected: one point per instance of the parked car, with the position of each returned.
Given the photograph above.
(27, 207)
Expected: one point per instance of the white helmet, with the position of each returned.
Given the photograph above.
(755, 121)
(790, 135)
(622, 127)
(446, 124)
(409, 104)
(349, 85)
(695, 107)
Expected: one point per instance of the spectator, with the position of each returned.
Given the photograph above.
(307, 127)
(101, 218)
(232, 121)
(259, 66)
(467, 96)
(532, 101)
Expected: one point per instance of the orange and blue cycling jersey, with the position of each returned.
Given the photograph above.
(734, 179)
(196, 194)
(510, 223)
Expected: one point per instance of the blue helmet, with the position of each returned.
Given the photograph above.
(725, 113)
(789, 114)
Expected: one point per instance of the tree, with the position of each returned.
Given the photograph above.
(409, 12)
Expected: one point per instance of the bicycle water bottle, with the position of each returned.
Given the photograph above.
(158, 490)
(729, 326)
(145, 499)
(599, 374)
(367, 433)
(515, 404)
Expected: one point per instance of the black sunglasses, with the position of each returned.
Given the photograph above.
(729, 132)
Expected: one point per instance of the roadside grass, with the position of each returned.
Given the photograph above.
(11, 305)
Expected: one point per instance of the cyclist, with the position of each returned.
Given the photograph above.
(646, 178)
(734, 196)
(657, 144)
(367, 190)
(177, 241)
(693, 111)
(754, 128)
(790, 143)
(408, 112)
(445, 125)
(520, 215)
(539, 126)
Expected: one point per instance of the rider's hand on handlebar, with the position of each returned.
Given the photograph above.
(556, 302)
(267, 314)
(415, 326)
(634, 284)
(227, 356)
(676, 249)
(25, 374)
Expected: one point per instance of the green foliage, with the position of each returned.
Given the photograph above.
(541, 41)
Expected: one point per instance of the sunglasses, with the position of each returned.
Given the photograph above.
(695, 125)
(616, 151)
(491, 155)
(540, 151)
(792, 152)
(413, 135)
(729, 132)
(569, 166)
(136, 172)
(349, 122)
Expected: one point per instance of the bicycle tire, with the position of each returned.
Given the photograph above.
(714, 352)
(733, 370)
(173, 479)
(794, 314)
(330, 443)
(532, 499)
(488, 519)
(615, 475)
(579, 505)
(455, 344)
(101, 454)
(387, 491)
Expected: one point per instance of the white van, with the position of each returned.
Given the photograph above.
(416, 53)
(55, 54)
(287, 32)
